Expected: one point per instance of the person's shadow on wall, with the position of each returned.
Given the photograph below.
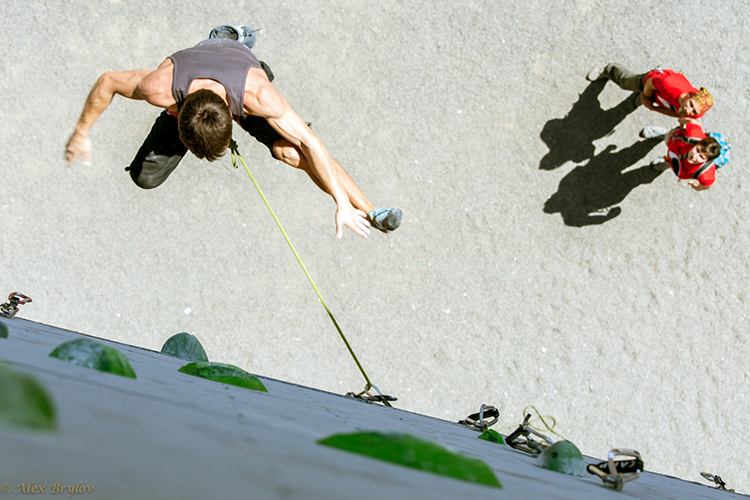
(572, 138)
(589, 193)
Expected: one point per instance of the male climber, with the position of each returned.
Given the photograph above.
(203, 89)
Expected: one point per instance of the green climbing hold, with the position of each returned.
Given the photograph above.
(24, 402)
(185, 345)
(3, 331)
(90, 354)
(226, 374)
(411, 451)
(492, 436)
(563, 456)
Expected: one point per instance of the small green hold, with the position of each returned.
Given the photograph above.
(492, 436)
(185, 345)
(563, 456)
(3, 331)
(414, 452)
(90, 354)
(226, 374)
(24, 402)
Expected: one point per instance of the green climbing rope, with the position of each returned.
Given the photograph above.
(236, 153)
(541, 418)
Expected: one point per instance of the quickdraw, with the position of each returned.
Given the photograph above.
(10, 308)
(720, 485)
(367, 397)
(520, 439)
(477, 420)
(615, 473)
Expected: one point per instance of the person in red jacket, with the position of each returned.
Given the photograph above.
(662, 90)
(690, 154)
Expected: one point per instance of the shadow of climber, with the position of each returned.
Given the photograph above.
(589, 193)
(572, 138)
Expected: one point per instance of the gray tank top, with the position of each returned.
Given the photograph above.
(225, 61)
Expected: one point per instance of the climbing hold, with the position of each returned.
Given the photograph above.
(563, 456)
(492, 436)
(185, 345)
(411, 451)
(24, 402)
(226, 374)
(90, 354)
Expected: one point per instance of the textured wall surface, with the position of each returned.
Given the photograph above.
(538, 262)
(170, 435)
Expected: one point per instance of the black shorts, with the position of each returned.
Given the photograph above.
(160, 153)
(260, 130)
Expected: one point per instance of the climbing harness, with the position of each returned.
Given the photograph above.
(10, 308)
(615, 473)
(477, 421)
(364, 395)
(720, 485)
(520, 438)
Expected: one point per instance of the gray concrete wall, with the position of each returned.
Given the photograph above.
(170, 435)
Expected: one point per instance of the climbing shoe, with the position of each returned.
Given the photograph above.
(653, 132)
(596, 73)
(385, 219)
(659, 164)
(242, 34)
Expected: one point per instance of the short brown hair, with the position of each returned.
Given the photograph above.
(205, 124)
(711, 147)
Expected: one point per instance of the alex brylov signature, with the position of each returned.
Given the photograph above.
(52, 488)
